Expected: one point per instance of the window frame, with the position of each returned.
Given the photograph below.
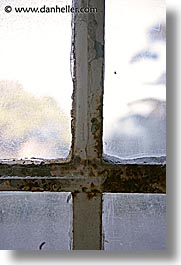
(87, 173)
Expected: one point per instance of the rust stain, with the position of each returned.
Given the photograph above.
(71, 177)
(95, 125)
(91, 195)
(105, 178)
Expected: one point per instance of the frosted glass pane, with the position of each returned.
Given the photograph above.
(134, 221)
(33, 221)
(35, 81)
(135, 78)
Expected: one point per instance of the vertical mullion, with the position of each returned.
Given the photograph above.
(88, 84)
(88, 53)
(87, 221)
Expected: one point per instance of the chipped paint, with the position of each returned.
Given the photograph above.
(99, 50)
(95, 125)
(86, 174)
(88, 48)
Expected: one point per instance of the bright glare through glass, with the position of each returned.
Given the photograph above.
(35, 81)
(135, 78)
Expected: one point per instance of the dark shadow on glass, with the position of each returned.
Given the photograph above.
(173, 103)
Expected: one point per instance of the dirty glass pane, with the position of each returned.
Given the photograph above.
(33, 221)
(135, 78)
(134, 221)
(35, 80)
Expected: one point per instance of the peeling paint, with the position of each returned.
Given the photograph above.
(95, 125)
(99, 47)
(85, 173)
(98, 177)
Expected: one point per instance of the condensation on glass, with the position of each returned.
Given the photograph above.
(135, 78)
(35, 81)
(35, 221)
(134, 221)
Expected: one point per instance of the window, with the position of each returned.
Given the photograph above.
(32, 221)
(88, 174)
(31, 45)
(135, 79)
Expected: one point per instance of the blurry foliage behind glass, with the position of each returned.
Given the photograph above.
(31, 126)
